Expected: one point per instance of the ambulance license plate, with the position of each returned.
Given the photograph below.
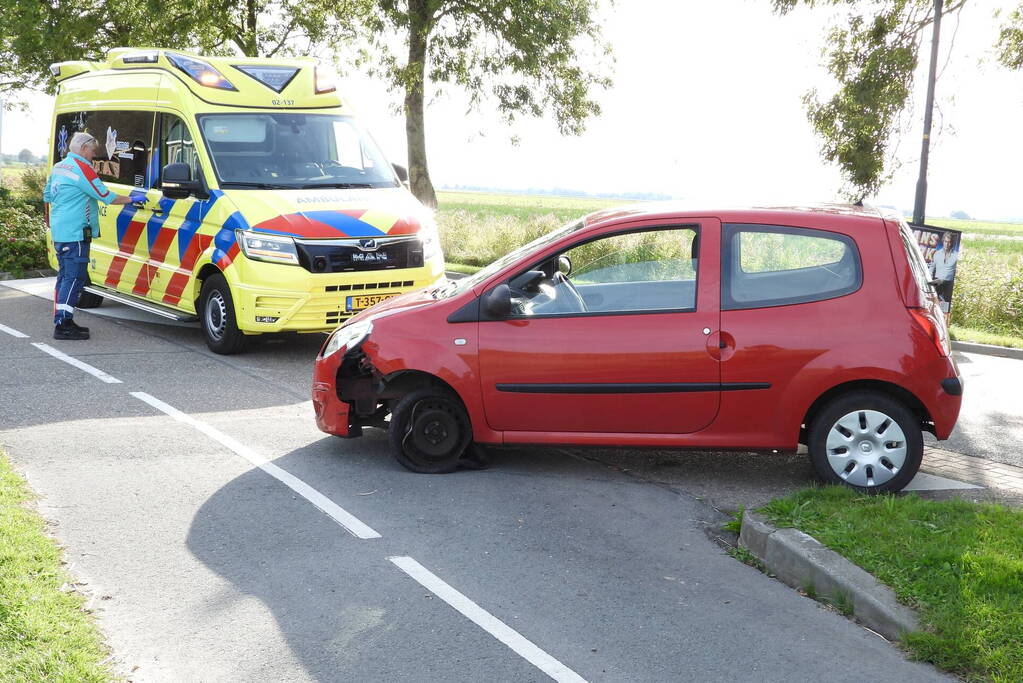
(357, 303)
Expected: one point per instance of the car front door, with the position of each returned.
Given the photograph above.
(619, 345)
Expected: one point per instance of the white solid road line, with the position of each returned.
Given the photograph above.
(60, 355)
(351, 523)
(487, 621)
(13, 332)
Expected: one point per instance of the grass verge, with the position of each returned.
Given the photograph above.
(960, 564)
(967, 334)
(45, 635)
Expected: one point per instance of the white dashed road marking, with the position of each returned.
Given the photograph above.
(13, 332)
(352, 524)
(487, 621)
(60, 355)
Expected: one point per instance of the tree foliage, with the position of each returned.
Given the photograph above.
(35, 34)
(1010, 40)
(528, 56)
(873, 58)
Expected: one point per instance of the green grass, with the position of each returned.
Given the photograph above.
(960, 564)
(967, 334)
(978, 227)
(45, 635)
(522, 205)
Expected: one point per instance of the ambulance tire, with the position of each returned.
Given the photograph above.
(217, 318)
(430, 431)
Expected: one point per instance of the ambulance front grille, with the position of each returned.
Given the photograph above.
(369, 285)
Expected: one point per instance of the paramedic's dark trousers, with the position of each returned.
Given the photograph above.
(73, 258)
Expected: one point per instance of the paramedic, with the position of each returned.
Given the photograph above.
(72, 191)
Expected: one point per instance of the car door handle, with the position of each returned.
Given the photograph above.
(142, 205)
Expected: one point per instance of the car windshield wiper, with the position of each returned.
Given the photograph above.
(343, 186)
(259, 186)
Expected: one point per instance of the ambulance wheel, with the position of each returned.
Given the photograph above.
(429, 431)
(216, 315)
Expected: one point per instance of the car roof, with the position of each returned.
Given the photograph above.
(809, 214)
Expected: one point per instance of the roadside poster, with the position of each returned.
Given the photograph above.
(940, 247)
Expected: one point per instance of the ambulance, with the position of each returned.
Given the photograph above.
(261, 202)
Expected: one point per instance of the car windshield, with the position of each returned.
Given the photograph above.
(453, 287)
(293, 151)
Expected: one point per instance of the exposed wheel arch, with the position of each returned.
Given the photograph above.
(907, 398)
(402, 382)
(204, 272)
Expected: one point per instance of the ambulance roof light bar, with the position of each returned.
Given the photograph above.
(200, 71)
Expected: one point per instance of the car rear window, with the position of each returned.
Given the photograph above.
(916, 259)
(772, 265)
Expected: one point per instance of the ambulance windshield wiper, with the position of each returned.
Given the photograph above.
(342, 186)
(258, 186)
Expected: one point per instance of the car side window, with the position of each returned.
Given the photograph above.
(638, 271)
(176, 144)
(768, 265)
(124, 137)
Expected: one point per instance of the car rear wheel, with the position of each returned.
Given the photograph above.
(868, 441)
(429, 431)
(217, 317)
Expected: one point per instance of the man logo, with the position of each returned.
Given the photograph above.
(368, 245)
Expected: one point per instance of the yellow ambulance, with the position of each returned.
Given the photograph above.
(267, 206)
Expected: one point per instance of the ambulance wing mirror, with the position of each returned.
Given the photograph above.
(401, 172)
(177, 182)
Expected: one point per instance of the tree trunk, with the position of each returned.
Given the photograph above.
(251, 47)
(415, 124)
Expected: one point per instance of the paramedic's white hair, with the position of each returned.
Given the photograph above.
(80, 140)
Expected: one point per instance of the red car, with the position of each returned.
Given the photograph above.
(654, 326)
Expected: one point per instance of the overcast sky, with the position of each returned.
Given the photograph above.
(706, 106)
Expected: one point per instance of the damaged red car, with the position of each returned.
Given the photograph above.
(656, 326)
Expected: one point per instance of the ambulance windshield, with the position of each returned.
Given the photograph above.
(293, 151)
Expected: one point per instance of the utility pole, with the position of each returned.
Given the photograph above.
(921, 184)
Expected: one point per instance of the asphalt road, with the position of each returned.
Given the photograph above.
(182, 494)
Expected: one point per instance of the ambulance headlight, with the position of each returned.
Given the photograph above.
(272, 248)
(346, 337)
(430, 238)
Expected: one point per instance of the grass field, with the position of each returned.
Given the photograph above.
(45, 634)
(959, 563)
(978, 227)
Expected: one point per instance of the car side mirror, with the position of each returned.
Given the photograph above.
(565, 265)
(497, 303)
(177, 183)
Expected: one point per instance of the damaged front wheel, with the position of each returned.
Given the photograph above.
(429, 431)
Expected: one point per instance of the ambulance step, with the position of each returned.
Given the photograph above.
(141, 304)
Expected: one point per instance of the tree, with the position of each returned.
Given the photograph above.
(873, 57)
(25, 156)
(528, 55)
(36, 34)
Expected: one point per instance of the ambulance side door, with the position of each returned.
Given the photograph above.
(182, 218)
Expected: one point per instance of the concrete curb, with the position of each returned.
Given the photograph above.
(802, 562)
(988, 349)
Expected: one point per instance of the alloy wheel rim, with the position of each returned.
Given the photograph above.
(866, 448)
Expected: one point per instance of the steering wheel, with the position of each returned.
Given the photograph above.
(569, 299)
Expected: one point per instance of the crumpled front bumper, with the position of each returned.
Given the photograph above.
(332, 414)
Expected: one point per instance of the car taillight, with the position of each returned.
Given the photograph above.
(933, 328)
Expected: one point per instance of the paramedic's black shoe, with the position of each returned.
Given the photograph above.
(69, 332)
(78, 327)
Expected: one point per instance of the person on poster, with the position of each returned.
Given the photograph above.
(943, 268)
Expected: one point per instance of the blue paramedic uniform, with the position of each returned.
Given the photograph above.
(73, 192)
